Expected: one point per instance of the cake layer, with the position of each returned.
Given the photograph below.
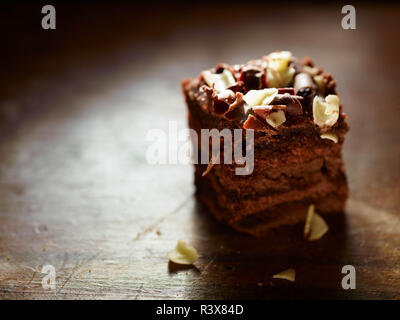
(265, 222)
(290, 147)
(241, 205)
(267, 176)
(264, 218)
(242, 186)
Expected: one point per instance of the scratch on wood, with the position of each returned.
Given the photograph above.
(29, 282)
(75, 269)
(83, 271)
(153, 226)
(64, 261)
(139, 291)
(209, 263)
(33, 276)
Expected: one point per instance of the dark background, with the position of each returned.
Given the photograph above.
(77, 193)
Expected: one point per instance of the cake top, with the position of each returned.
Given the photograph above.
(263, 94)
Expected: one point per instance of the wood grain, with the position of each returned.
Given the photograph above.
(77, 193)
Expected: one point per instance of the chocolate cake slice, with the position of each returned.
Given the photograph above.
(293, 110)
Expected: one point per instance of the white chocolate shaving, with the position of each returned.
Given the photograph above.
(220, 80)
(311, 71)
(279, 60)
(275, 119)
(260, 97)
(315, 226)
(288, 274)
(281, 79)
(279, 73)
(330, 136)
(319, 80)
(326, 113)
(183, 253)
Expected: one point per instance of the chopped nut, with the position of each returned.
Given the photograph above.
(260, 97)
(330, 136)
(326, 113)
(288, 274)
(221, 81)
(275, 119)
(183, 253)
(315, 226)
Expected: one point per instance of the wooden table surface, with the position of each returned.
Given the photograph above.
(77, 193)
